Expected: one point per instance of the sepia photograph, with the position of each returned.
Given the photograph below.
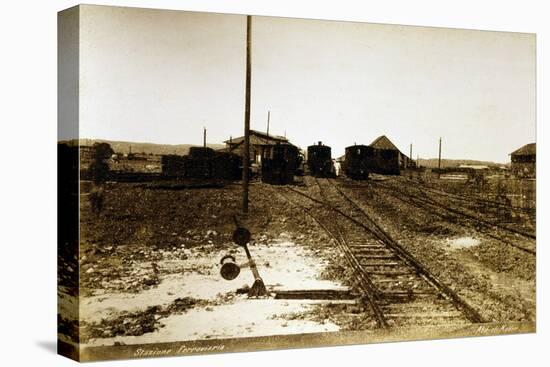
(234, 182)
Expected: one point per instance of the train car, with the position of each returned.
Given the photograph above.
(201, 152)
(172, 165)
(319, 160)
(280, 163)
(359, 161)
(226, 166)
(362, 160)
(386, 162)
(198, 167)
(202, 163)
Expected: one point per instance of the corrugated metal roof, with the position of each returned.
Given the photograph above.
(528, 149)
(259, 138)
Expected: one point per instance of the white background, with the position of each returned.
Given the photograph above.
(28, 181)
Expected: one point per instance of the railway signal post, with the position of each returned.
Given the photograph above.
(241, 237)
(246, 143)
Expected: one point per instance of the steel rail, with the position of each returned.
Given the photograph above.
(473, 199)
(459, 212)
(462, 305)
(369, 290)
(423, 204)
(471, 314)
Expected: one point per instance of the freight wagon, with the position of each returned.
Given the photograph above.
(202, 163)
(361, 160)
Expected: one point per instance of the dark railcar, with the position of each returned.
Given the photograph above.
(198, 167)
(319, 160)
(226, 166)
(202, 163)
(359, 161)
(172, 165)
(280, 163)
(198, 163)
(387, 162)
(201, 152)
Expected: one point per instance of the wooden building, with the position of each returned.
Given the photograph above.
(383, 143)
(261, 145)
(524, 161)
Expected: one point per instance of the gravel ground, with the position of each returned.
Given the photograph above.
(150, 248)
(146, 239)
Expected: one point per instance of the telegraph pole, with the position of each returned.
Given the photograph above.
(411, 156)
(246, 143)
(439, 161)
(204, 137)
(268, 116)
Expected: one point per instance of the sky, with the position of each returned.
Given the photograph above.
(160, 76)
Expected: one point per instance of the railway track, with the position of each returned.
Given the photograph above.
(456, 215)
(398, 289)
(475, 201)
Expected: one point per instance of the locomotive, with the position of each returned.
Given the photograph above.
(359, 161)
(319, 160)
(280, 163)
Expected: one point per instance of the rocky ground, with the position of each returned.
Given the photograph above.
(149, 265)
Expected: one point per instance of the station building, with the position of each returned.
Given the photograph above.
(524, 161)
(383, 143)
(261, 145)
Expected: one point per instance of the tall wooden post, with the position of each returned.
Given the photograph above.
(246, 143)
(439, 161)
(411, 156)
(204, 137)
(268, 116)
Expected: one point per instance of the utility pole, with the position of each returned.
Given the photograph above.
(246, 143)
(439, 161)
(204, 137)
(268, 116)
(411, 156)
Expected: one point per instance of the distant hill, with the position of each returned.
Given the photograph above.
(147, 148)
(450, 163)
